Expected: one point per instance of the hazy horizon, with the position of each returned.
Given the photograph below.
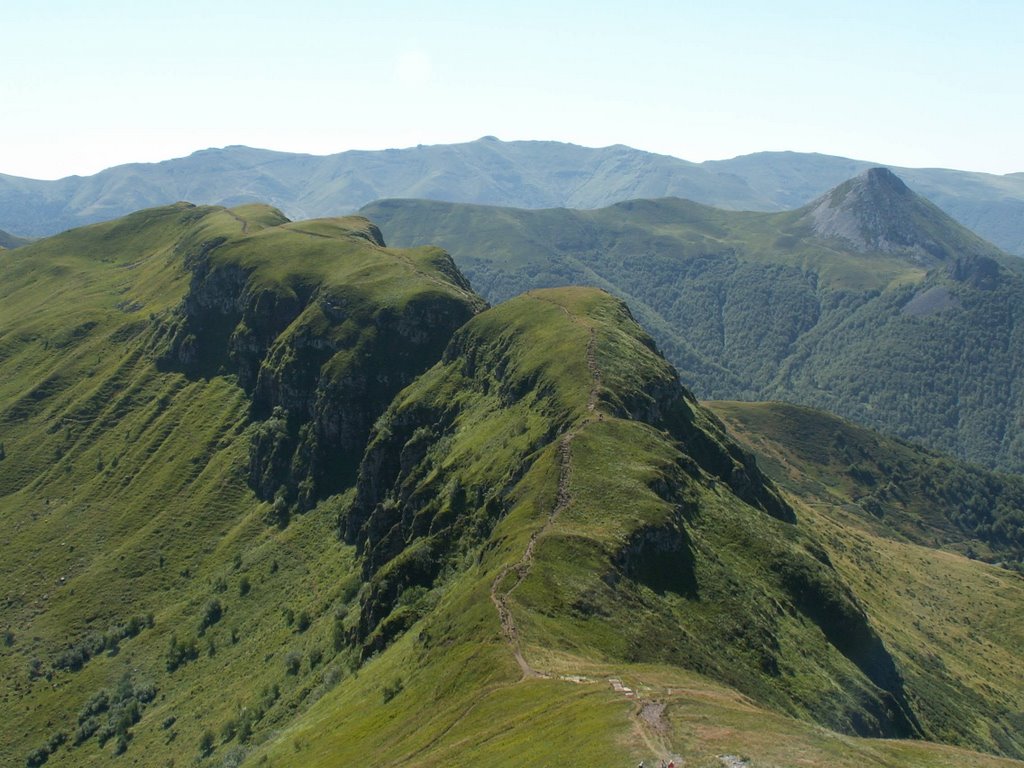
(90, 87)
(880, 162)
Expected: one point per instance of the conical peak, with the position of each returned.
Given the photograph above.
(876, 212)
(883, 176)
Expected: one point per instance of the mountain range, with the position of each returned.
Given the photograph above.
(274, 493)
(525, 174)
(869, 302)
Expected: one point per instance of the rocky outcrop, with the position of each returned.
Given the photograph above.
(979, 272)
(319, 362)
(660, 557)
(877, 212)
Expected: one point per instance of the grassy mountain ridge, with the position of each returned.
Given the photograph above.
(128, 490)
(528, 174)
(543, 527)
(564, 498)
(760, 305)
(571, 539)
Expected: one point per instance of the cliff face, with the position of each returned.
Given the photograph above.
(315, 343)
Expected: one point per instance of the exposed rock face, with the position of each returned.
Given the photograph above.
(320, 363)
(877, 212)
(931, 301)
(660, 557)
(868, 211)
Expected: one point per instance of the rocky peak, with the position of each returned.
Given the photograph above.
(876, 212)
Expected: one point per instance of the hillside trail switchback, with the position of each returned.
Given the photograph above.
(648, 717)
(499, 596)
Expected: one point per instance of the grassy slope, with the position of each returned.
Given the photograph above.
(491, 711)
(130, 483)
(124, 488)
(921, 496)
(942, 613)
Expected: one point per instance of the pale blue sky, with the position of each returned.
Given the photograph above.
(90, 84)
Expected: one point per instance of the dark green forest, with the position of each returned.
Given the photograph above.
(912, 324)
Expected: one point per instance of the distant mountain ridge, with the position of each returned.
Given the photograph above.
(522, 174)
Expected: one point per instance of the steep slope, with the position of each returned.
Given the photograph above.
(893, 491)
(877, 212)
(869, 302)
(551, 463)
(985, 203)
(528, 174)
(542, 528)
(133, 464)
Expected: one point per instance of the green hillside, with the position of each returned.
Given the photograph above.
(869, 302)
(133, 465)
(902, 490)
(275, 494)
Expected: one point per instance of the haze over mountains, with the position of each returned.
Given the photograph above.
(869, 302)
(527, 174)
(275, 493)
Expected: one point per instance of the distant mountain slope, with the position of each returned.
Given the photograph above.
(869, 302)
(10, 241)
(525, 174)
(991, 205)
(528, 174)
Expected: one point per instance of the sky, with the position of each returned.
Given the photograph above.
(89, 85)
